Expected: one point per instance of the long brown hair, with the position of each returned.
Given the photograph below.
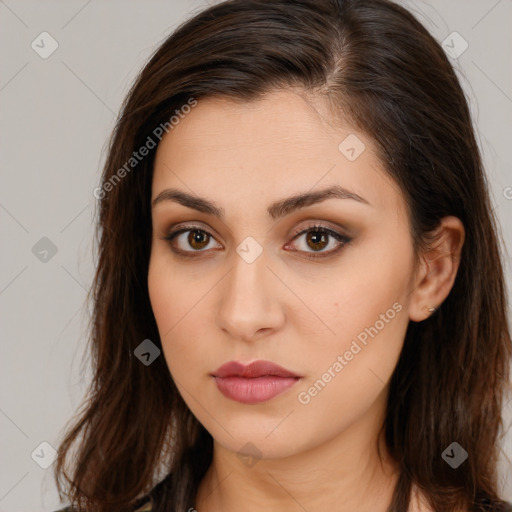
(377, 66)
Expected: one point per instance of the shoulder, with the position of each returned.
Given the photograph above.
(146, 502)
(146, 506)
(488, 506)
(504, 507)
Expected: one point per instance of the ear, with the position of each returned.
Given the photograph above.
(437, 269)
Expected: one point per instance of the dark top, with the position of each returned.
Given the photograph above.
(146, 507)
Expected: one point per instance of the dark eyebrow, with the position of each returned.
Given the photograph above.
(276, 210)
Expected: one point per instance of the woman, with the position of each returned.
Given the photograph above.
(299, 301)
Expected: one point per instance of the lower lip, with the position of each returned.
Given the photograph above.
(254, 390)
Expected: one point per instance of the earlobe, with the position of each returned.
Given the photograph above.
(438, 269)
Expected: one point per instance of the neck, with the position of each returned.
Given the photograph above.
(345, 473)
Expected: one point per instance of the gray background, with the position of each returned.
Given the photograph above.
(56, 115)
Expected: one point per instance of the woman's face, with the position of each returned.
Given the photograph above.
(254, 279)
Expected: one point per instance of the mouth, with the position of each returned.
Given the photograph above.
(254, 383)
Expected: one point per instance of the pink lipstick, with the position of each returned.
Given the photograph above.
(256, 382)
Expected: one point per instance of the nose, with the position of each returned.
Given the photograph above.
(250, 300)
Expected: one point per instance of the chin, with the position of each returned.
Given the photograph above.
(253, 444)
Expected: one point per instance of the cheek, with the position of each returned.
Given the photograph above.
(177, 300)
(366, 310)
(365, 286)
(172, 291)
(348, 374)
(161, 294)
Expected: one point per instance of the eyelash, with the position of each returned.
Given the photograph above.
(316, 228)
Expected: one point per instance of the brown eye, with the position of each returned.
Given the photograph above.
(316, 239)
(198, 239)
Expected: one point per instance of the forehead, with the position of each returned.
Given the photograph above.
(280, 144)
(282, 122)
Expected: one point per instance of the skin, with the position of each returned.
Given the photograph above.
(283, 307)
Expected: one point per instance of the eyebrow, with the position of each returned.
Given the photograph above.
(276, 210)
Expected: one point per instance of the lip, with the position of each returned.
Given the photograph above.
(254, 383)
(252, 370)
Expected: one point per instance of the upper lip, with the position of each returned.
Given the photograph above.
(252, 370)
